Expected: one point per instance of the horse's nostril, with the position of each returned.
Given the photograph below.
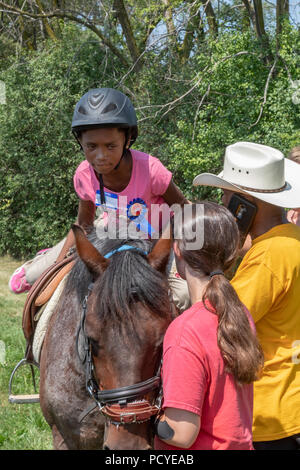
(105, 447)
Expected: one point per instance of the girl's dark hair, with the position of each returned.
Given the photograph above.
(240, 349)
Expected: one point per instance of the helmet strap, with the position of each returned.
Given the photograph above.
(75, 135)
(125, 148)
(102, 194)
(123, 154)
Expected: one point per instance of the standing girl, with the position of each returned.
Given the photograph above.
(211, 355)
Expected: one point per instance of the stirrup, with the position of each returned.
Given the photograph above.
(34, 398)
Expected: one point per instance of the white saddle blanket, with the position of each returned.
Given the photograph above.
(43, 317)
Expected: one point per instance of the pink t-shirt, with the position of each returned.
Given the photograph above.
(142, 197)
(194, 379)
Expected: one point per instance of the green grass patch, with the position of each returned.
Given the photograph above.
(22, 427)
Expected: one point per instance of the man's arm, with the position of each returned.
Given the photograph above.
(173, 195)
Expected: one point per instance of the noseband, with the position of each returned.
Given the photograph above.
(124, 405)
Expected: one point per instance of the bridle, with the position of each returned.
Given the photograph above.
(124, 405)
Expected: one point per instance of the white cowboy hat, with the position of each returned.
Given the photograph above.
(260, 171)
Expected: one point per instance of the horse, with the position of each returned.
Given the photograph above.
(101, 356)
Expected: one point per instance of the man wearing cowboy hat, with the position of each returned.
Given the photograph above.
(268, 281)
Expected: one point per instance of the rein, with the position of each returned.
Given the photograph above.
(124, 405)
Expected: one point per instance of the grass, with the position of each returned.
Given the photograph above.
(22, 427)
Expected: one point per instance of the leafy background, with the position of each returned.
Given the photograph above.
(224, 83)
(201, 75)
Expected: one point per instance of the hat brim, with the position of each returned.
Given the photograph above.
(289, 197)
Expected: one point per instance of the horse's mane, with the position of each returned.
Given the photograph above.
(129, 278)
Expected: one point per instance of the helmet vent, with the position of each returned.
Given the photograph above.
(81, 110)
(109, 107)
(95, 100)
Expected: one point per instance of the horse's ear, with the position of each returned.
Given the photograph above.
(159, 256)
(94, 261)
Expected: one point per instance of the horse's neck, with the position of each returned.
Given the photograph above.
(63, 328)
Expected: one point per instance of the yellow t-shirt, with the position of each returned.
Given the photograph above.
(268, 283)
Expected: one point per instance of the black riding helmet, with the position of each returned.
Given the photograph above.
(105, 107)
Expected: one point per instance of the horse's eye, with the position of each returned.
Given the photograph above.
(134, 295)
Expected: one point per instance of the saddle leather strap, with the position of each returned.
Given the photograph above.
(30, 308)
(45, 294)
(69, 243)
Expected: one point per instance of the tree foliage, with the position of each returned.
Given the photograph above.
(200, 78)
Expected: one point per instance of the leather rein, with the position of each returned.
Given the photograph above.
(124, 405)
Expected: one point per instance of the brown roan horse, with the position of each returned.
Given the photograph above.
(101, 356)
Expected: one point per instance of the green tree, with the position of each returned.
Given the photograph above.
(195, 93)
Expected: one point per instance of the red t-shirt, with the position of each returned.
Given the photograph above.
(194, 379)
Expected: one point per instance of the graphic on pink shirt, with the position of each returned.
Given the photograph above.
(142, 197)
(138, 212)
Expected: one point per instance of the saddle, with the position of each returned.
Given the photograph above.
(40, 293)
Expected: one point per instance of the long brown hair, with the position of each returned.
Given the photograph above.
(240, 349)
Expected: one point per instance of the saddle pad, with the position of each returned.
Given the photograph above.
(46, 294)
(43, 317)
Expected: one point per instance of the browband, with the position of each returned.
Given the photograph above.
(125, 248)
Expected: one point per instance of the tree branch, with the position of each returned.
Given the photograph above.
(265, 92)
(194, 24)
(45, 21)
(123, 18)
(207, 70)
(169, 18)
(197, 111)
(256, 15)
(259, 18)
(251, 13)
(72, 17)
(282, 12)
(211, 17)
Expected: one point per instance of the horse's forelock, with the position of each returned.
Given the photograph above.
(129, 278)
